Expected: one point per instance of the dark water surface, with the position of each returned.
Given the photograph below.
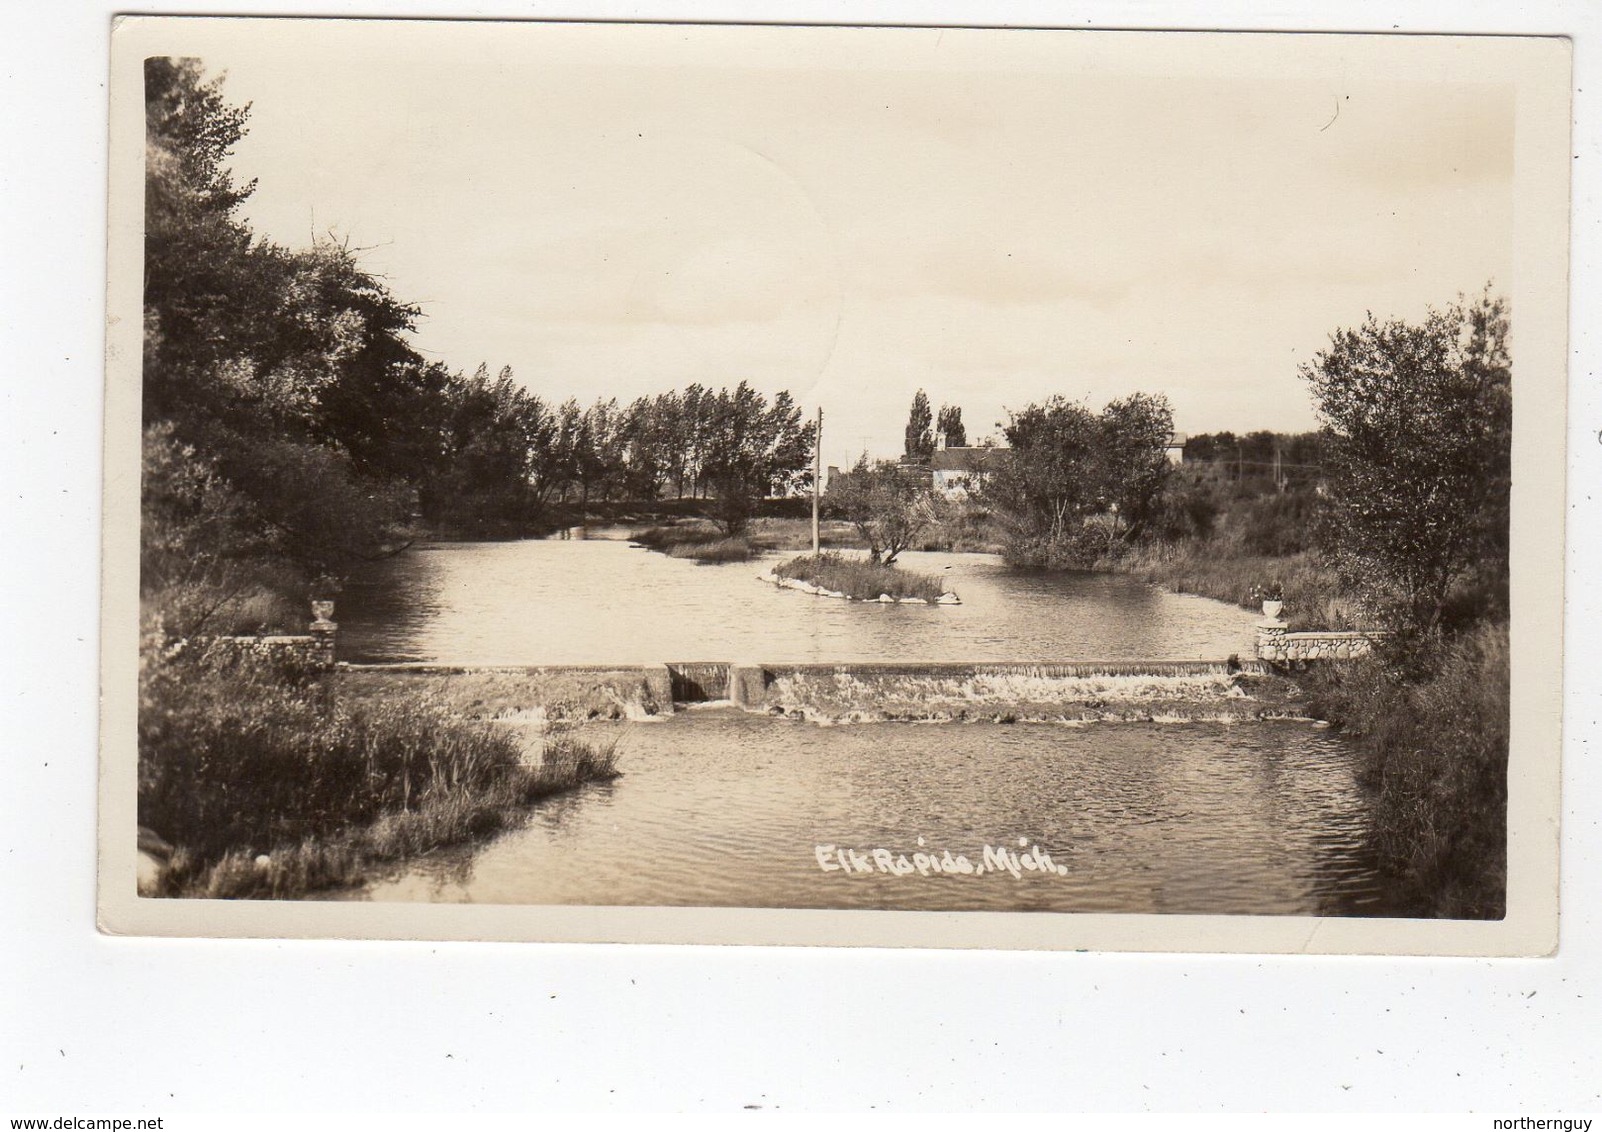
(601, 601)
(720, 808)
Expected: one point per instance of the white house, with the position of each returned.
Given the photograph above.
(957, 471)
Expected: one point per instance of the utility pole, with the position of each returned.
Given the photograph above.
(817, 477)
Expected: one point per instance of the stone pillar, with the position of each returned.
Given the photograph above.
(323, 632)
(1271, 644)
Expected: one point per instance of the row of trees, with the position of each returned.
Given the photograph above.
(519, 458)
(292, 429)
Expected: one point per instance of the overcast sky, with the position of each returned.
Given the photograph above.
(991, 217)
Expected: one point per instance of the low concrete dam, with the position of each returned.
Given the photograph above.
(1080, 691)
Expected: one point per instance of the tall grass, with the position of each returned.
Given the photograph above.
(1435, 755)
(859, 579)
(239, 761)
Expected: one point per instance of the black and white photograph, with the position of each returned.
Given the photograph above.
(918, 486)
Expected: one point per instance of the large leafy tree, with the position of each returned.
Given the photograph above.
(1134, 465)
(1066, 465)
(1418, 449)
(287, 373)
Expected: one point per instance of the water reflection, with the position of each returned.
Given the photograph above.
(602, 601)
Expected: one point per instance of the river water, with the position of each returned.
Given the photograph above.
(719, 808)
(603, 601)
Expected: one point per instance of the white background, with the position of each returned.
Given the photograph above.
(93, 1024)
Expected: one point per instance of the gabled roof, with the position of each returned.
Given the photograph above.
(961, 459)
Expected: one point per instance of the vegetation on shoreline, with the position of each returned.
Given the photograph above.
(1435, 756)
(859, 579)
(266, 782)
(701, 543)
(697, 539)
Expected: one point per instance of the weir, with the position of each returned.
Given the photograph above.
(849, 690)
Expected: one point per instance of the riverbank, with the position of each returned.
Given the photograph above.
(260, 782)
(1312, 593)
(703, 541)
(1435, 757)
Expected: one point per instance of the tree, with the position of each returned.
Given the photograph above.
(949, 425)
(889, 505)
(920, 431)
(1067, 466)
(1418, 447)
(1134, 460)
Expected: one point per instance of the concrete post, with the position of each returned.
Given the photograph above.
(748, 686)
(323, 632)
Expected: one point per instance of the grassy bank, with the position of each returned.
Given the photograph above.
(1435, 757)
(1212, 568)
(268, 783)
(703, 541)
(859, 579)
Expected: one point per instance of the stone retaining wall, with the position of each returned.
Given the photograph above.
(1277, 646)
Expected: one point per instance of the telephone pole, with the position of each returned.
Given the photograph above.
(817, 477)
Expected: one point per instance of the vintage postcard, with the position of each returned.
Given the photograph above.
(926, 487)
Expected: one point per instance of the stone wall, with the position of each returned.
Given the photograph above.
(1278, 646)
(314, 649)
(309, 651)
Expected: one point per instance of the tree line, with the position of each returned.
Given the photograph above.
(292, 430)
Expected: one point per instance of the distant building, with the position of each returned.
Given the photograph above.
(1176, 447)
(959, 471)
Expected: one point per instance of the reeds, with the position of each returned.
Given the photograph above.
(272, 786)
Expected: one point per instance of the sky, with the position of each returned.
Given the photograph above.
(992, 217)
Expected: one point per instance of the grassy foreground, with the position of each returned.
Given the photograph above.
(859, 579)
(268, 783)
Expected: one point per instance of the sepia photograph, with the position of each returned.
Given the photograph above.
(913, 486)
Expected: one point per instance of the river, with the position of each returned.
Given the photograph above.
(716, 807)
(604, 601)
(719, 808)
